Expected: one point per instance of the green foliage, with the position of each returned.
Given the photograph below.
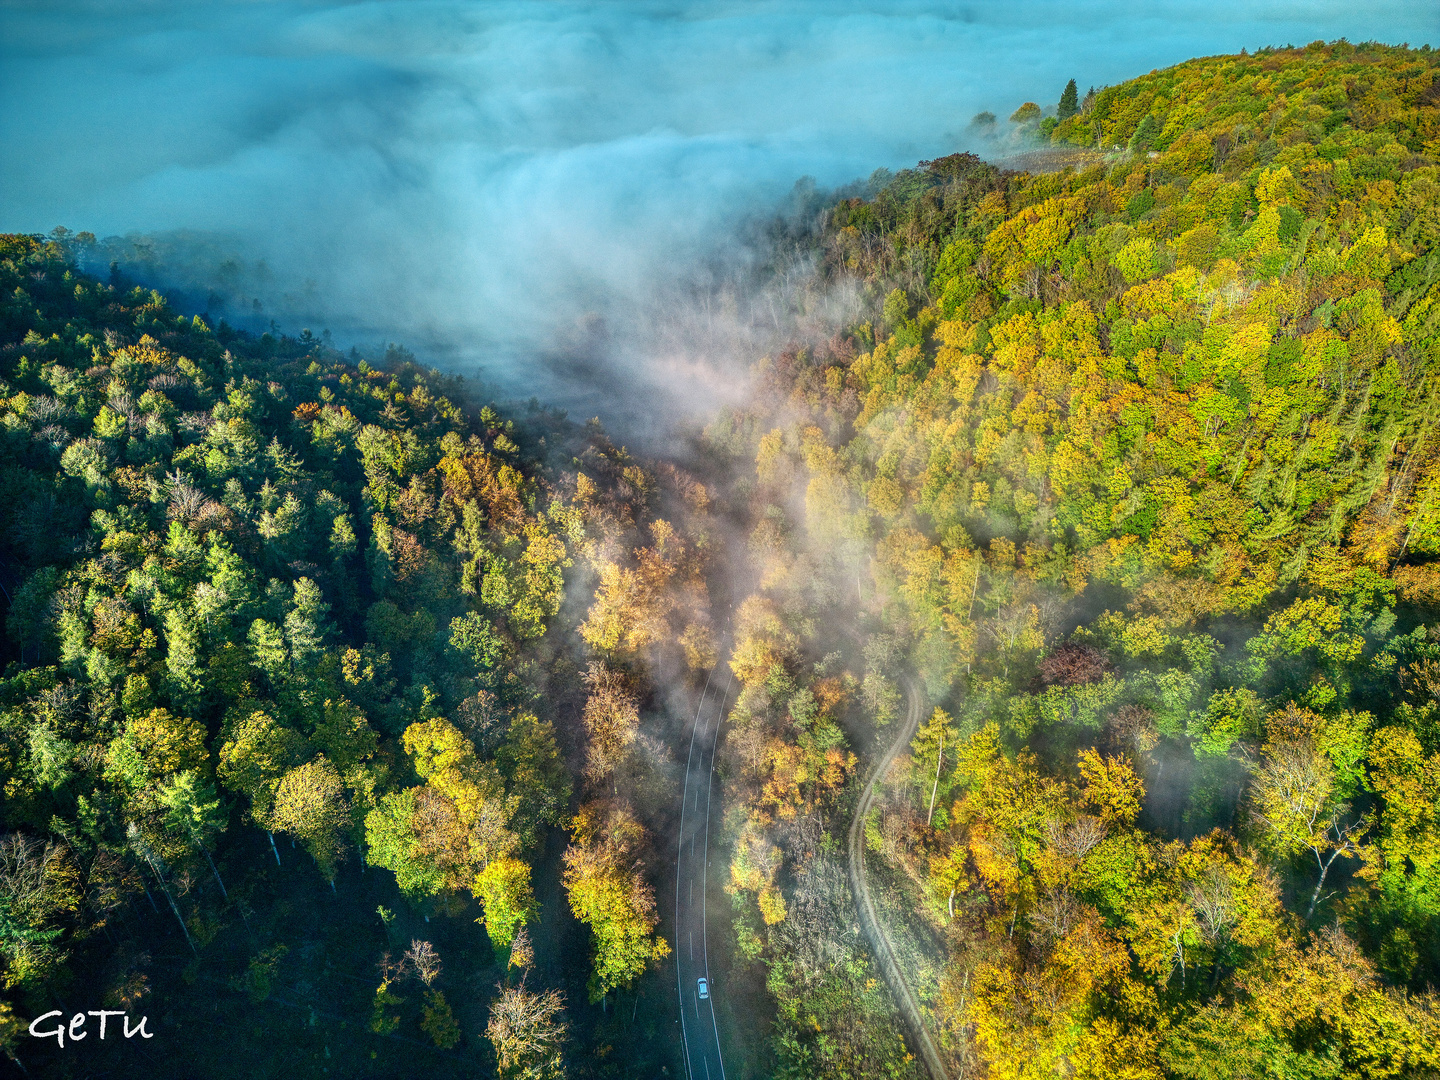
(1180, 387)
(606, 890)
(239, 570)
(1069, 102)
(439, 1021)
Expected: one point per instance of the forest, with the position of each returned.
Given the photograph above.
(341, 704)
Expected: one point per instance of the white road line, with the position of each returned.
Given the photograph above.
(680, 847)
(704, 885)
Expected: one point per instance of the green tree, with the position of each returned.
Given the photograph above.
(1144, 136)
(1069, 102)
(310, 804)
(193, 810)
(503, 889)
(391, 841)
(535, 773)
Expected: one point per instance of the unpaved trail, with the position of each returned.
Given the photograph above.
(870, 926)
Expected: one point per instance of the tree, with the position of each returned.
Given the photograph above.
(195, 811)
(438, 1021)
(1295, 797)
(503, 889)
(535, 773)
(527, 1030)
(310, 804)
(1074, 663)
(1404, 861)
(1069, 102)
(423, 961)
(612, 717)
(1144, 135)
(927, 750)
(39, 885)
(11, 1027)
(608, 891)
(254, 757)
(391, 842)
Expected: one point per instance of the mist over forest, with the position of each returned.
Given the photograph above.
(475, 180)
(791, 540)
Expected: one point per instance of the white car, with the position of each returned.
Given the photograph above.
(703, 986)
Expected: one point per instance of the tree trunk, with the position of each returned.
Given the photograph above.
(181, 920)
(175, 908)
(938, 759)
(273, 847)
(216, 872)
(1324, 869)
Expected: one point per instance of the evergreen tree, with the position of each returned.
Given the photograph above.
(1069, 102)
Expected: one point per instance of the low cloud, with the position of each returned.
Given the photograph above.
(496, 182)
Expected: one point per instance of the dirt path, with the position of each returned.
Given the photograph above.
(870, 926)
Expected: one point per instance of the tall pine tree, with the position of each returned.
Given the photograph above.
(1069, 101)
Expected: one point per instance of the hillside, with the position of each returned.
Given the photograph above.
(1138, 468)
(293, 697)
(340, 706)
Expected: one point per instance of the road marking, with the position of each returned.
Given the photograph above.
(679, 862)
(698, 730)
(704, 887)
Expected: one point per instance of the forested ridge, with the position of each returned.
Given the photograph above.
(1137, 467)
(336, 714)
(278, 720)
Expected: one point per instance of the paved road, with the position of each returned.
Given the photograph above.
(870, 926)
(698, 1028)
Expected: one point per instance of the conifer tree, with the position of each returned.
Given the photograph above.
(1069, 101)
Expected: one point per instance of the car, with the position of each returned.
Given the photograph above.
(703, 986)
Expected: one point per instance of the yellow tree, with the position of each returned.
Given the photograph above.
(608, 891)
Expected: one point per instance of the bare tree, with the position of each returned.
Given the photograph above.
(1075, 839)
(1133, 728)
(522, 952)
(1056, 912)
(612, 716)
(186, 500)
(528, 1032)
(1213, 899)
(423, 961)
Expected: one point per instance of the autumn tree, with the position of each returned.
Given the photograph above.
(528, 1032)
(612, 718)
(310, 804)
(608, 891)
(1297, 798)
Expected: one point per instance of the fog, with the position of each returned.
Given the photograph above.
(494, 183)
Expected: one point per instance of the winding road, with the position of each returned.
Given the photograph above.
(698, 1028)
(871, 926)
